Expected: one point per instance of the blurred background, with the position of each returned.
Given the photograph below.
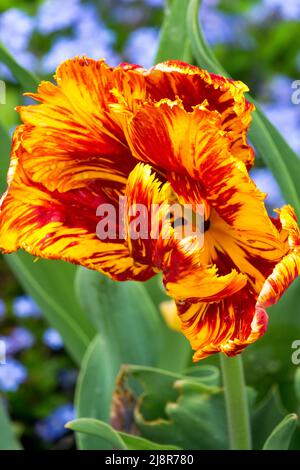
(258, 43)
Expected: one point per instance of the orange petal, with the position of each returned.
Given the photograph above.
(192, 85)
(57, 225)
(145, 191)
(186, 279)
(227, 326)
(73, 136)
(288, 268)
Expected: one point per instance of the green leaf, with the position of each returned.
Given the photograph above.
(27, 80)
(269, 360)
(175, 409)
(124, 315)
(118, 440)
(265, 417)
(281, 436)
(94, 389)
(139, 443)
(174, 42)
(277, 154)
(51, 284)
(129, 329)
(8, 440)
(176, 352)
(98, 429)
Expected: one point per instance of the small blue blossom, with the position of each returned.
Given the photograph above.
(25, 307)
(220, 27)
(53, 16)
(287, 120)
(52, 428)
(16, 28)
(52, 339)
(155, 3)
(280, 89)
(19, 339)
(288, 9)
(90, 38)
(67, 378)
(266, 182)
(129, 15)
(2, 308)
(12, 375)
(141, 47)
(150, 3)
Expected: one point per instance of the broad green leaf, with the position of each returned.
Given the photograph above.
(118, 440)
(179, 410)
(265, 417)
(98, 429)
(174, 42)
(176, 352)
(51, 284)
(8, 440)
(94, 389)
(129, 328)
(270, 359)
(124, 315)
(26, 79)
(140, 443)
(281, 436)
(277, 154)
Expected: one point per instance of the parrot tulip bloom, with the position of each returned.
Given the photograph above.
(174, 133)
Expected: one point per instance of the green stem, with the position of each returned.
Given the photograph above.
(236, 403)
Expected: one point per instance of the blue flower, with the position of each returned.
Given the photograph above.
(52, 428)
(220, 27)
(53, 16)
(2, 308)
(266, 182)
(142, 45)
(280, 89)
(16, 28)
(288, 9)
(150, 3)
(67, 378)
(12, 375)
(90, 38)
(25, 307)
(287, 120)
(52, 339)
(19, 339)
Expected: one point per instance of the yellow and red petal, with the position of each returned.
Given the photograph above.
(288, 269)
(73, 136)
(186, 279)
(63, 226)
(193, 86)
(167, 136)
(227, 326)
(147, 201)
